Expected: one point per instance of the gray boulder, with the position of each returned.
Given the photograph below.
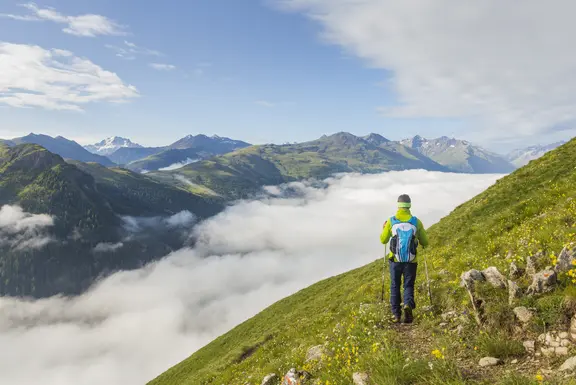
(530, 346)
(360, 379)
(568, 365)
(494, 277)
(489, 361)
(315, 353)
(291, 377)
(565, 259)
(470, 277)
(542, 282)
(271, 379)
(523, 314)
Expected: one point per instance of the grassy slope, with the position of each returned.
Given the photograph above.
(243, 172)
(532, 209)
(130, 193)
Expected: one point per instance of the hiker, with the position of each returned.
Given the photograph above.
(404, 232)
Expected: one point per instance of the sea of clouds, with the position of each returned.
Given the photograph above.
(134, 325)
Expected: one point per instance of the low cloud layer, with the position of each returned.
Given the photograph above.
(176, 166)
(21, 230)
(134, 325)
(55, 79)
(487, 60)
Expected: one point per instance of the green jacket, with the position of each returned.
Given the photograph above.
(404, 215)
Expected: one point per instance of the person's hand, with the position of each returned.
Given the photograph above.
(384, 224)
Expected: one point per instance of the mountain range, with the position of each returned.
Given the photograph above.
(460, 155)
(522, 157)
(67, 149)
(456, 155)
(90, 198)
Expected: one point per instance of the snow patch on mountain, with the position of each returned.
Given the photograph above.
(111, 145)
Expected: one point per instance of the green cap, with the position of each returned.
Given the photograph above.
(404, 202)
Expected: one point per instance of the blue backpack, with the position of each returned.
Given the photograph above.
(404, 241)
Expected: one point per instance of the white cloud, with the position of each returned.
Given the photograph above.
(184, 219)
(107, 247)
(176, 166)
(129, 51)
(21, 230)
(507, 67)
(55, 79)
(134, 325)
(162, 66)
(265, 103)
(83, 25)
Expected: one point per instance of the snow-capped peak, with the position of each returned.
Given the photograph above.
(110, 145)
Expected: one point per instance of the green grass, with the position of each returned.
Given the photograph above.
(527, 211)
(499, 346)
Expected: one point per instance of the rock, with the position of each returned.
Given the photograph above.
(561, 351)
(271, 379)
(554, 344)
(494, 277)
(563, 335)
(291, 378)
(444, 272)
(468, 278)
(523, 314)
(315, 353)
(569, 364)
(360, 378)
(532, 262)
(573, 328)
(530, 346)
(514, 292)
(459, 329)
(542, 282)
(489, 361)
(443, 324)
(515, 272)
(565, 343)
(547, 352)
(565, 259)
(515, 361)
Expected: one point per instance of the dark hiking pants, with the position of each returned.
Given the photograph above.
(397, 271)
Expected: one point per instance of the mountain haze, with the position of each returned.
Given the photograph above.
(522, 157)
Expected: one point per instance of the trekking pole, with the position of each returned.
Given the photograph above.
(384, 272)
(428, 280)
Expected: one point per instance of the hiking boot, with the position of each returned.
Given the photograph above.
(396, 319)
(408, 317)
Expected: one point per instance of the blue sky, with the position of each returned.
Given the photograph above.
(248, 70)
